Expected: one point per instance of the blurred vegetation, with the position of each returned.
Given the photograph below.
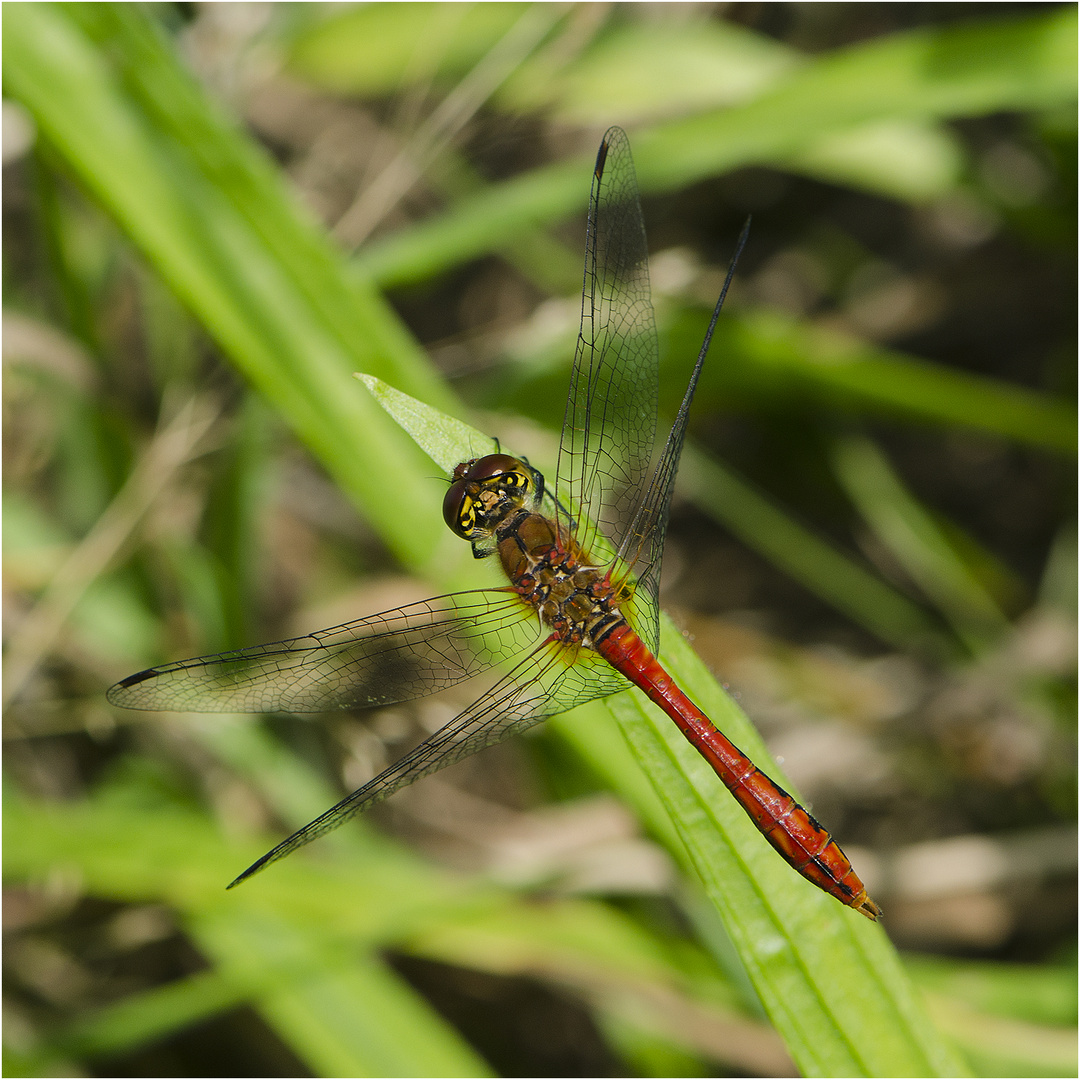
(216, 214)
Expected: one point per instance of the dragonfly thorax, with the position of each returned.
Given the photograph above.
(553, 574)
(486, 491)
(493, 502)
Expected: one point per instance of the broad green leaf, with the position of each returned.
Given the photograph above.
(445, 440)
(829, 979)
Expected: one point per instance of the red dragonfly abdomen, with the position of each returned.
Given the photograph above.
(792, 831)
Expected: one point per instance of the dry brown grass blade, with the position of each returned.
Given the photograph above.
(434, 134)
(175, 443)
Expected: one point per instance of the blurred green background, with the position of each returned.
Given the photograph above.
(216, 213)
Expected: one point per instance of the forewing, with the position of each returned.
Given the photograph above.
(397, 655)
(610, 419)
(542, 684)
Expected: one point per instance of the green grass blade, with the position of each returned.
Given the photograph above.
(173, 105)
(445, 440)
(630, 977)
(299, 949)
(342, 1011)
(230, 242)
(811, 560)
(1044, 993)
(1008, 1019)
(371, 50)
(271, 947)
(926, 74)
(915, 539)
(155, 1014)
(771, 350)
(638, 70)
(922, 75)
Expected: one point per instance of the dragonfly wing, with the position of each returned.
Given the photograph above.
(642, 546)
(540, 685)
(397, 655)
(610, 421)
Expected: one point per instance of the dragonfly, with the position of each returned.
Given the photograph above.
(578, 617)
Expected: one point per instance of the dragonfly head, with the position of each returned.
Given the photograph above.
(483, 491)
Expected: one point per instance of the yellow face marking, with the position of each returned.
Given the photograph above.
(467, 517)
(487, 494)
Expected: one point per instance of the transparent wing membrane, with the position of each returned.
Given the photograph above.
(540, 685)
(610, 421)
(642, 545)
(397, 655)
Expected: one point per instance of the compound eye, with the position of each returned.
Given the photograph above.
(458, 511)
(486, 468)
